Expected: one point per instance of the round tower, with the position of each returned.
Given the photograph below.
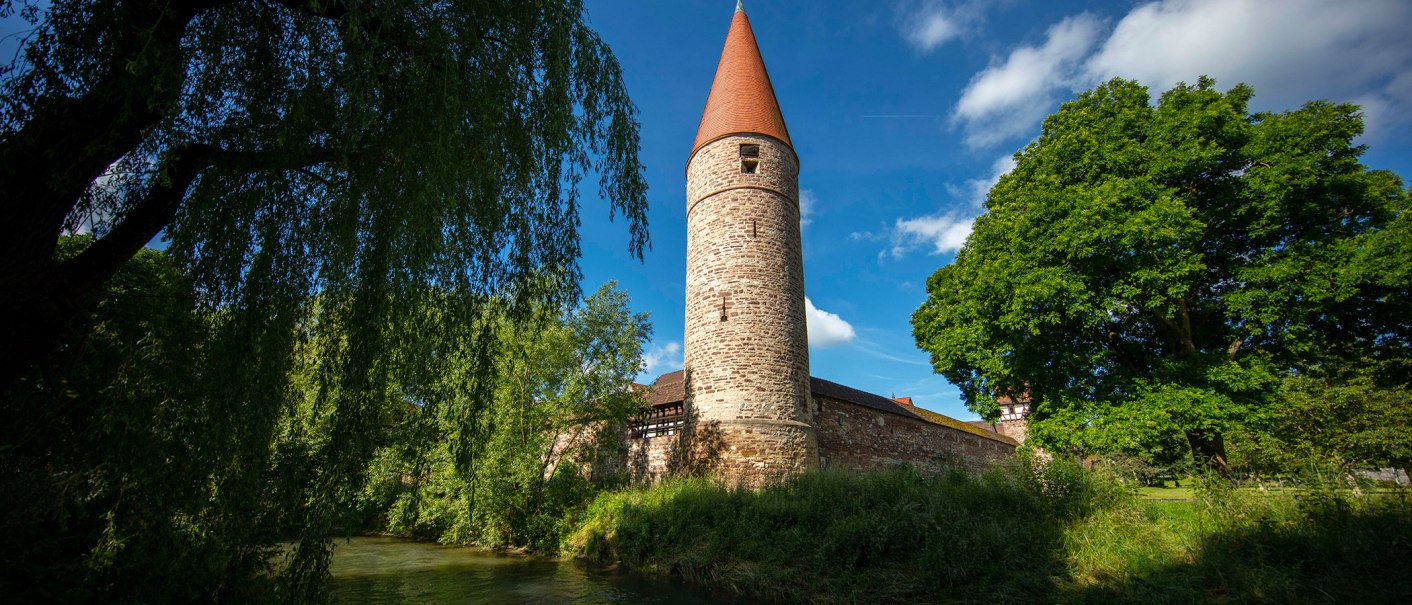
(746, 344)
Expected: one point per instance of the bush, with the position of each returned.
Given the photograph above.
(1034, 531)
(831, 536)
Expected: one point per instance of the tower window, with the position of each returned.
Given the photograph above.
(749, 158)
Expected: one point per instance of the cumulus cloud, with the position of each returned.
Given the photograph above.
(1009, 97)
(659, 359)
(928, 24)
(1291, 52)
(943, 233)
(826, 329)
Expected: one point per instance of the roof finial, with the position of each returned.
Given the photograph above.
(739, 6)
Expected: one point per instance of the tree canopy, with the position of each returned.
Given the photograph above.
(1150, 270)
(285, 147)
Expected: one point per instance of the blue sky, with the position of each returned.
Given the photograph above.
(904, 112)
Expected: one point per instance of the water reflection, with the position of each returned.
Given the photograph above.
(385, 571)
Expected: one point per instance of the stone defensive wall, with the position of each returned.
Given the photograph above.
(861, 431)
(857, 431)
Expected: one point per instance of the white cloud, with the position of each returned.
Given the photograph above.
(942, 232)
(1290, 51)
(977, 189)
(806, 207)
(928, 24)
(945, 232)
(930, 28)
(826, 329)
(659, 359)
(1007, 99)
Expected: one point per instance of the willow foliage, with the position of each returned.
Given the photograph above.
(368, 177)
(356, 149)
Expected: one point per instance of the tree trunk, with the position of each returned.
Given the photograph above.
(1208, 449)
(46, 165)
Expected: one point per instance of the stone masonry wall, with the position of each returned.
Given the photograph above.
(1014, 429)
(851, 437)
(859, 438)
(746, 346)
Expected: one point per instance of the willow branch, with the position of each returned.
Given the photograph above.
(180, 168)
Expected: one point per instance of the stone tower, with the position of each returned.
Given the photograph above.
(747, 351)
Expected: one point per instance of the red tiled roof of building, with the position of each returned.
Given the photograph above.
(903, 400)
(741, 99)
(668, 388)
(1006, 399)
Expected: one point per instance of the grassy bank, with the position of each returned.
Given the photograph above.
(1022, 535)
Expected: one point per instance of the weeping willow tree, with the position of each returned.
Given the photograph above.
(383, 171)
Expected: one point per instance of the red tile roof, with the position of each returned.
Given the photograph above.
(668, 388)
(1023, 397)
(741, 99)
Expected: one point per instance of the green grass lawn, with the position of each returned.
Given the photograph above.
(1184, 492)
(1187, 491)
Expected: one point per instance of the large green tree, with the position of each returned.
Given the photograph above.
(292, 146)
(1156, 269)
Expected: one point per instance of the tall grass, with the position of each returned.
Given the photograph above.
(1030, 533)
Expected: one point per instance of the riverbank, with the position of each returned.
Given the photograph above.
(1050, 533)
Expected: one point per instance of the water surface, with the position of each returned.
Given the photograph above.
(386, 571)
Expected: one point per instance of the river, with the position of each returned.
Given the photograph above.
(387, 571)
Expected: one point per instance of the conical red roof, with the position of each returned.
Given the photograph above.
(741, 100)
